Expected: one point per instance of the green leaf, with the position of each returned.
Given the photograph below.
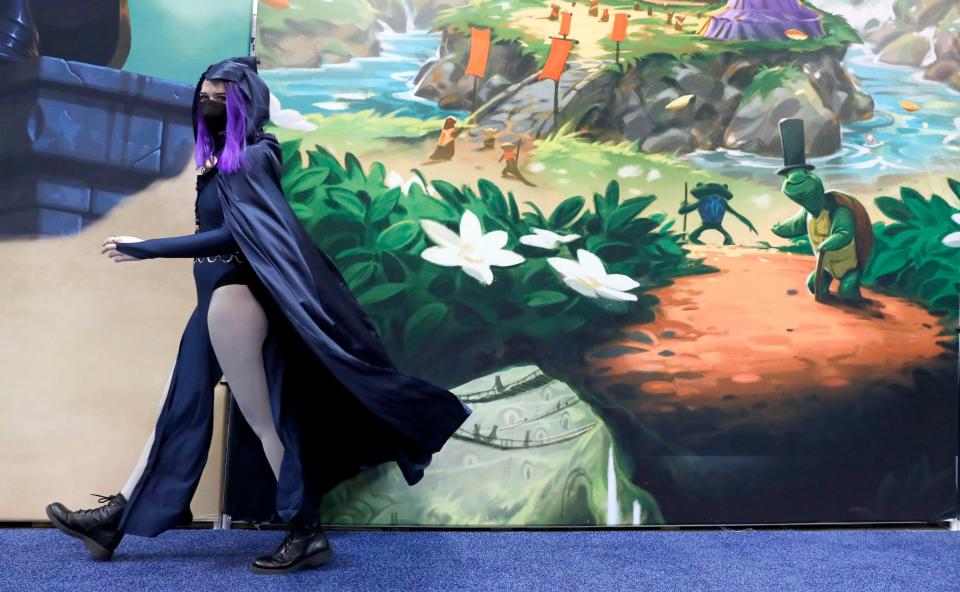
(612, 195)
(303, 211)
(398, 235)
(379, 293)
(954, 186)
(290, 157)
(355, 252)
(347, 200)
(423, 323)
(354, 168)
(637, 228)
(514, 208)
(545, 298)
(917, 204)
(449, 193)
(493, 197)
(536, 216)
(566, 212)
(304, 179)
(383, 204)
(553, 327)
(886, 263)
(627, 211)
(377, 173)
(668, 247)
(894, 209)
(358, 273)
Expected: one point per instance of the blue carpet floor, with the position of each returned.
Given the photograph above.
(528, 561)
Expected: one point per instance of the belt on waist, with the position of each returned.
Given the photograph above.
(232, 257)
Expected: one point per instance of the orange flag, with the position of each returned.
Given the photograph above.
(479, 52)
(619, 27)
(565, 18)
(559, 50)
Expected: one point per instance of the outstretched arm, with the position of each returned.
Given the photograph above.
(200, 244)
(742, 218)
(793, 227)
(690, 207)
(842, 230)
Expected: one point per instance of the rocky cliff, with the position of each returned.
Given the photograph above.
(737, 98)
(924, 34)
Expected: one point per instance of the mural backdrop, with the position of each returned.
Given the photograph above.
(569, 213)
(95, 140)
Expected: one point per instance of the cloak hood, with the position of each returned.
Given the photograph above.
(243, 72)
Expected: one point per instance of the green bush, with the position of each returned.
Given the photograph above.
(909, 257)
(423, 310)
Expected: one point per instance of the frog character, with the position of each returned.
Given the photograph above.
(837, 224)
(712, 204)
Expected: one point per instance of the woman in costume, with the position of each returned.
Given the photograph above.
(275, 317)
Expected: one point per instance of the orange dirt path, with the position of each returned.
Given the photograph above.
(751, 332)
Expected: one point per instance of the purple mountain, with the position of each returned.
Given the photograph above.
(762, 20)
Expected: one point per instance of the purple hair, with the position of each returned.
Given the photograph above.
(232, 158)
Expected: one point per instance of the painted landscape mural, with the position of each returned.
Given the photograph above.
(570, 214)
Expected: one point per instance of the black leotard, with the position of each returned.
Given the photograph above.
(217, 257)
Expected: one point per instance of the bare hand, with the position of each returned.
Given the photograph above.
(110, 248)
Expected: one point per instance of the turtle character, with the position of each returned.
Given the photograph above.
(836, 224)
(712, 204)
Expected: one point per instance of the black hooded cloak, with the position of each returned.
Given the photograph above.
(350, 407)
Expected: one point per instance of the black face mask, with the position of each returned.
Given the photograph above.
(214, 115)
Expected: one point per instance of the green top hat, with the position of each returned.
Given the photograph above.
(794, 146)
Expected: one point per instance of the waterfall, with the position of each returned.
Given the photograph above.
(613, 506)
(637, 511)
(410, 14)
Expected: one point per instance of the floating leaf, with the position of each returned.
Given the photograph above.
(909, 106)
(796, 34)
(679, 103)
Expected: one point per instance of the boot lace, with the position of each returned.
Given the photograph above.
(107, 500)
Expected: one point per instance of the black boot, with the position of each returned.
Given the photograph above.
(97, 527)
(305, 545)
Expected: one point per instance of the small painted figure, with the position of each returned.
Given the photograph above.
(838, 228)
(445, 145)
(836, 224)
(712, 204)
(489, 138)
(510, 155)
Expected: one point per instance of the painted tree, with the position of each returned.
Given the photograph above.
(763, 20)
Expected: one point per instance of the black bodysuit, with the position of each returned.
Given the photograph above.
(217, 257)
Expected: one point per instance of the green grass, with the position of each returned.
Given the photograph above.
(768, 80)
(358, 131)
(494, 14)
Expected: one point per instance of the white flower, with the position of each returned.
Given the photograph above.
(654, 175)
(546, 239)
(395, 179)
(472, 250)
(590, 278)
(953, 239)
(288, 118)
(630, 170)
